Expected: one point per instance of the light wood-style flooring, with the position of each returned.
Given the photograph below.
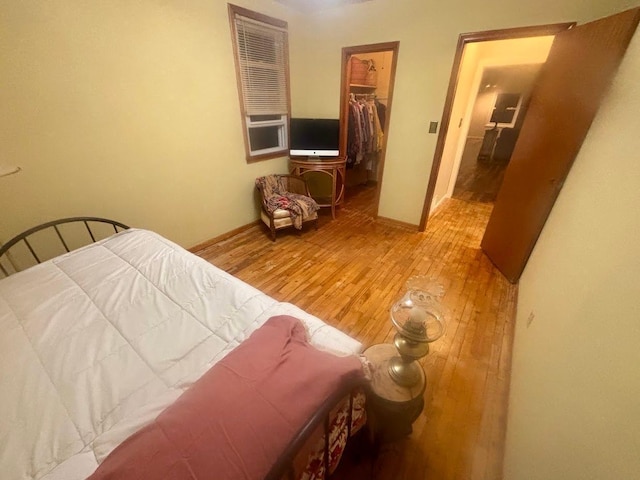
(352, 269)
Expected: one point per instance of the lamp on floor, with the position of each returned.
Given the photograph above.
(418, 319)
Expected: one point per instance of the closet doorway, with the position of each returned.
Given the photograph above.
(367, 79)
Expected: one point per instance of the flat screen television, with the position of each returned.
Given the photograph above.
(314, 137)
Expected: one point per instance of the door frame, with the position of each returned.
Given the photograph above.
(345, 76)
(463, 40)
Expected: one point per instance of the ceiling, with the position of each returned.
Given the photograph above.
(309, 6)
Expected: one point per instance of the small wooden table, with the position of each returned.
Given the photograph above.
(392, 408)
(336, 169)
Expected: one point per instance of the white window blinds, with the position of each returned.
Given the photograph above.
(262, 54)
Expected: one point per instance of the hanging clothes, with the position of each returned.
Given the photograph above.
(365, 135)
(382, 113)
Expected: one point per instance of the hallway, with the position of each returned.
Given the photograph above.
(478, 180)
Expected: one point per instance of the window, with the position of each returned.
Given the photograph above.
(506, 109)
(262, 68)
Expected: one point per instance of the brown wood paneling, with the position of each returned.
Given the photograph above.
(571, 85)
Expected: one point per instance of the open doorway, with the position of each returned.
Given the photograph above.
(476, 55)
(496, 113)
(367, 80)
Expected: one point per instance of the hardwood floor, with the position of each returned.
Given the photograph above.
(478, 180)
(351, 270)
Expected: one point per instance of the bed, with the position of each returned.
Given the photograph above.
(98, 342)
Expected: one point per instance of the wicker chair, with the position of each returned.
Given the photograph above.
(280, 218)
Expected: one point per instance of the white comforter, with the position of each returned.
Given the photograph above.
(95, 343)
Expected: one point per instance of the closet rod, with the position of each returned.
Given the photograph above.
(368, 96)
(365, 95)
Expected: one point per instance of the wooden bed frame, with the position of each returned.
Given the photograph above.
(284, 466)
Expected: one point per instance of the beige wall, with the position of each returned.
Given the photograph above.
(428, 34)
(125, 109)
(574, 410)
(463, 95)
(128, 109)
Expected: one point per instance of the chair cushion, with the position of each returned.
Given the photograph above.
(281, 213)
(282, 221)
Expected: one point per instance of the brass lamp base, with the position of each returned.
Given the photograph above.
(404, 373)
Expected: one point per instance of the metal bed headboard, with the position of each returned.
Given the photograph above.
(24, 236)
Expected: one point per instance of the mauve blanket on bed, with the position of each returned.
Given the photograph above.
(234, 422)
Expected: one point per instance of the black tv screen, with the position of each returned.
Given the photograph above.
(314, 137)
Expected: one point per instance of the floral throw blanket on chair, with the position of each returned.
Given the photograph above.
(275, 196)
